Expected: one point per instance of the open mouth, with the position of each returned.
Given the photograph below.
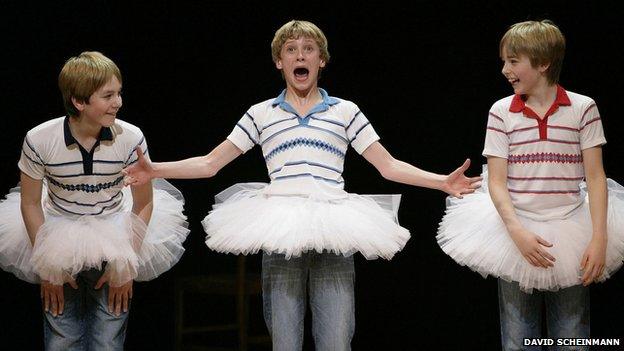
(301, 73)
(514, 81)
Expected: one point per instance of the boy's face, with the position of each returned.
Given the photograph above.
(524, 78)
(103, 104)
(300, 62)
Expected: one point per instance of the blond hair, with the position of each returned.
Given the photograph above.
(295, 30)
(83, 75)
(541, 41)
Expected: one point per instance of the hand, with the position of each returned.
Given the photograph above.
(118, 297)
(531, 246)
(593, 261)
(140, 172)
(52, 296)
(457, 184)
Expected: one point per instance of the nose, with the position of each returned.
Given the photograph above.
(300, 56)
(118, 101)
(505, 69)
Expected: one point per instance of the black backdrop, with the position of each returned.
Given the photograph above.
(424, 74)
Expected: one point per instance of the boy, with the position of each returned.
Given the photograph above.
(537, 232)
(86, 232)
(305, 223)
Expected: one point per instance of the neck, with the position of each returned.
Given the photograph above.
(83, 128)
(543, 95)
(306, 97)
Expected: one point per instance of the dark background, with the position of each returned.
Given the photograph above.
(424, 74)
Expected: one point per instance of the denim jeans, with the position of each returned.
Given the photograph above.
(567, 315)
(85, 323)
(328, 279)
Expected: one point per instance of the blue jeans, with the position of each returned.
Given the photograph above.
(567, 315)
(85, 323)
(285, 288)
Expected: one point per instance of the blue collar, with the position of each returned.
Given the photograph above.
(324, 105)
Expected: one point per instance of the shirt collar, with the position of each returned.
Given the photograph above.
(562, 99)
(325, 103)
(105, 133)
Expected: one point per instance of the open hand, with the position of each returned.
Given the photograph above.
(52, 296)
(118, 297)
(532, 246)
(140, 172)
(457, 184)
(593, 261)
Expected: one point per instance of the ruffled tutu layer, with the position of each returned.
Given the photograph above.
(66, 245)
(246, 219)
(474, 235)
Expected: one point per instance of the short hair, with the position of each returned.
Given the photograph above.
(541, 41)
(83, 75)
(294, 30)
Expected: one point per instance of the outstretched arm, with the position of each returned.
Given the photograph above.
(455, 184)
(195, 167)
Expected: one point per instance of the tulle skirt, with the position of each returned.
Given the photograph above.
(246, 219)
(66, 245)
(474, 235)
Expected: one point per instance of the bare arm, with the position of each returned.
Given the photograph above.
(529, 244)
(196, 167)
(30, 205)
(142, 201)
(593, 260)
(395, 170)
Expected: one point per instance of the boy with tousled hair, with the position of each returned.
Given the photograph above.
(73, 227)
(536, 230)
(305, 223)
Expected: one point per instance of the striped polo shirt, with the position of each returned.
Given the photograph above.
(544, 159)
(79, 181)
(304, 155)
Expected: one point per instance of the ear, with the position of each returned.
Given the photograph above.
(322, 64)
(278, 64)
(543, 68)
(79, 105)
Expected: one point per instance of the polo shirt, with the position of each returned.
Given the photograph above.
(544, 157)
(304, 155)
(80, 182)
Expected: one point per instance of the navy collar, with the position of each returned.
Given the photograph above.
(324, 105)
(105, 133)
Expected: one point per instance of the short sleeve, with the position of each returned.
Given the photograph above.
(132, 156)
(245, 134)
(30, 161)
(592, 133)
(496, 138)
(360, 132)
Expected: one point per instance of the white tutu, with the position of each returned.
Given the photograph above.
(66, 245)
(245, 219)
(474, 235)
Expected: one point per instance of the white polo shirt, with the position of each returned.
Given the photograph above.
(304, 155)
(79, 181)
(545, 163)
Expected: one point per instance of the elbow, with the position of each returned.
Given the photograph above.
(209, 168)
(388, 170)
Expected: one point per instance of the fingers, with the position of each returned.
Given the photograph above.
(111, 299)
(61, 299)
(103, 279)
(587, 275)
(139, 153)
(584, 261)
(546, 255)
(543, 242)
(464, 166)
(46, 298)
(118, 302)
(73, 284)
(124, 300)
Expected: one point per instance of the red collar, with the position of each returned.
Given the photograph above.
(518, 105)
